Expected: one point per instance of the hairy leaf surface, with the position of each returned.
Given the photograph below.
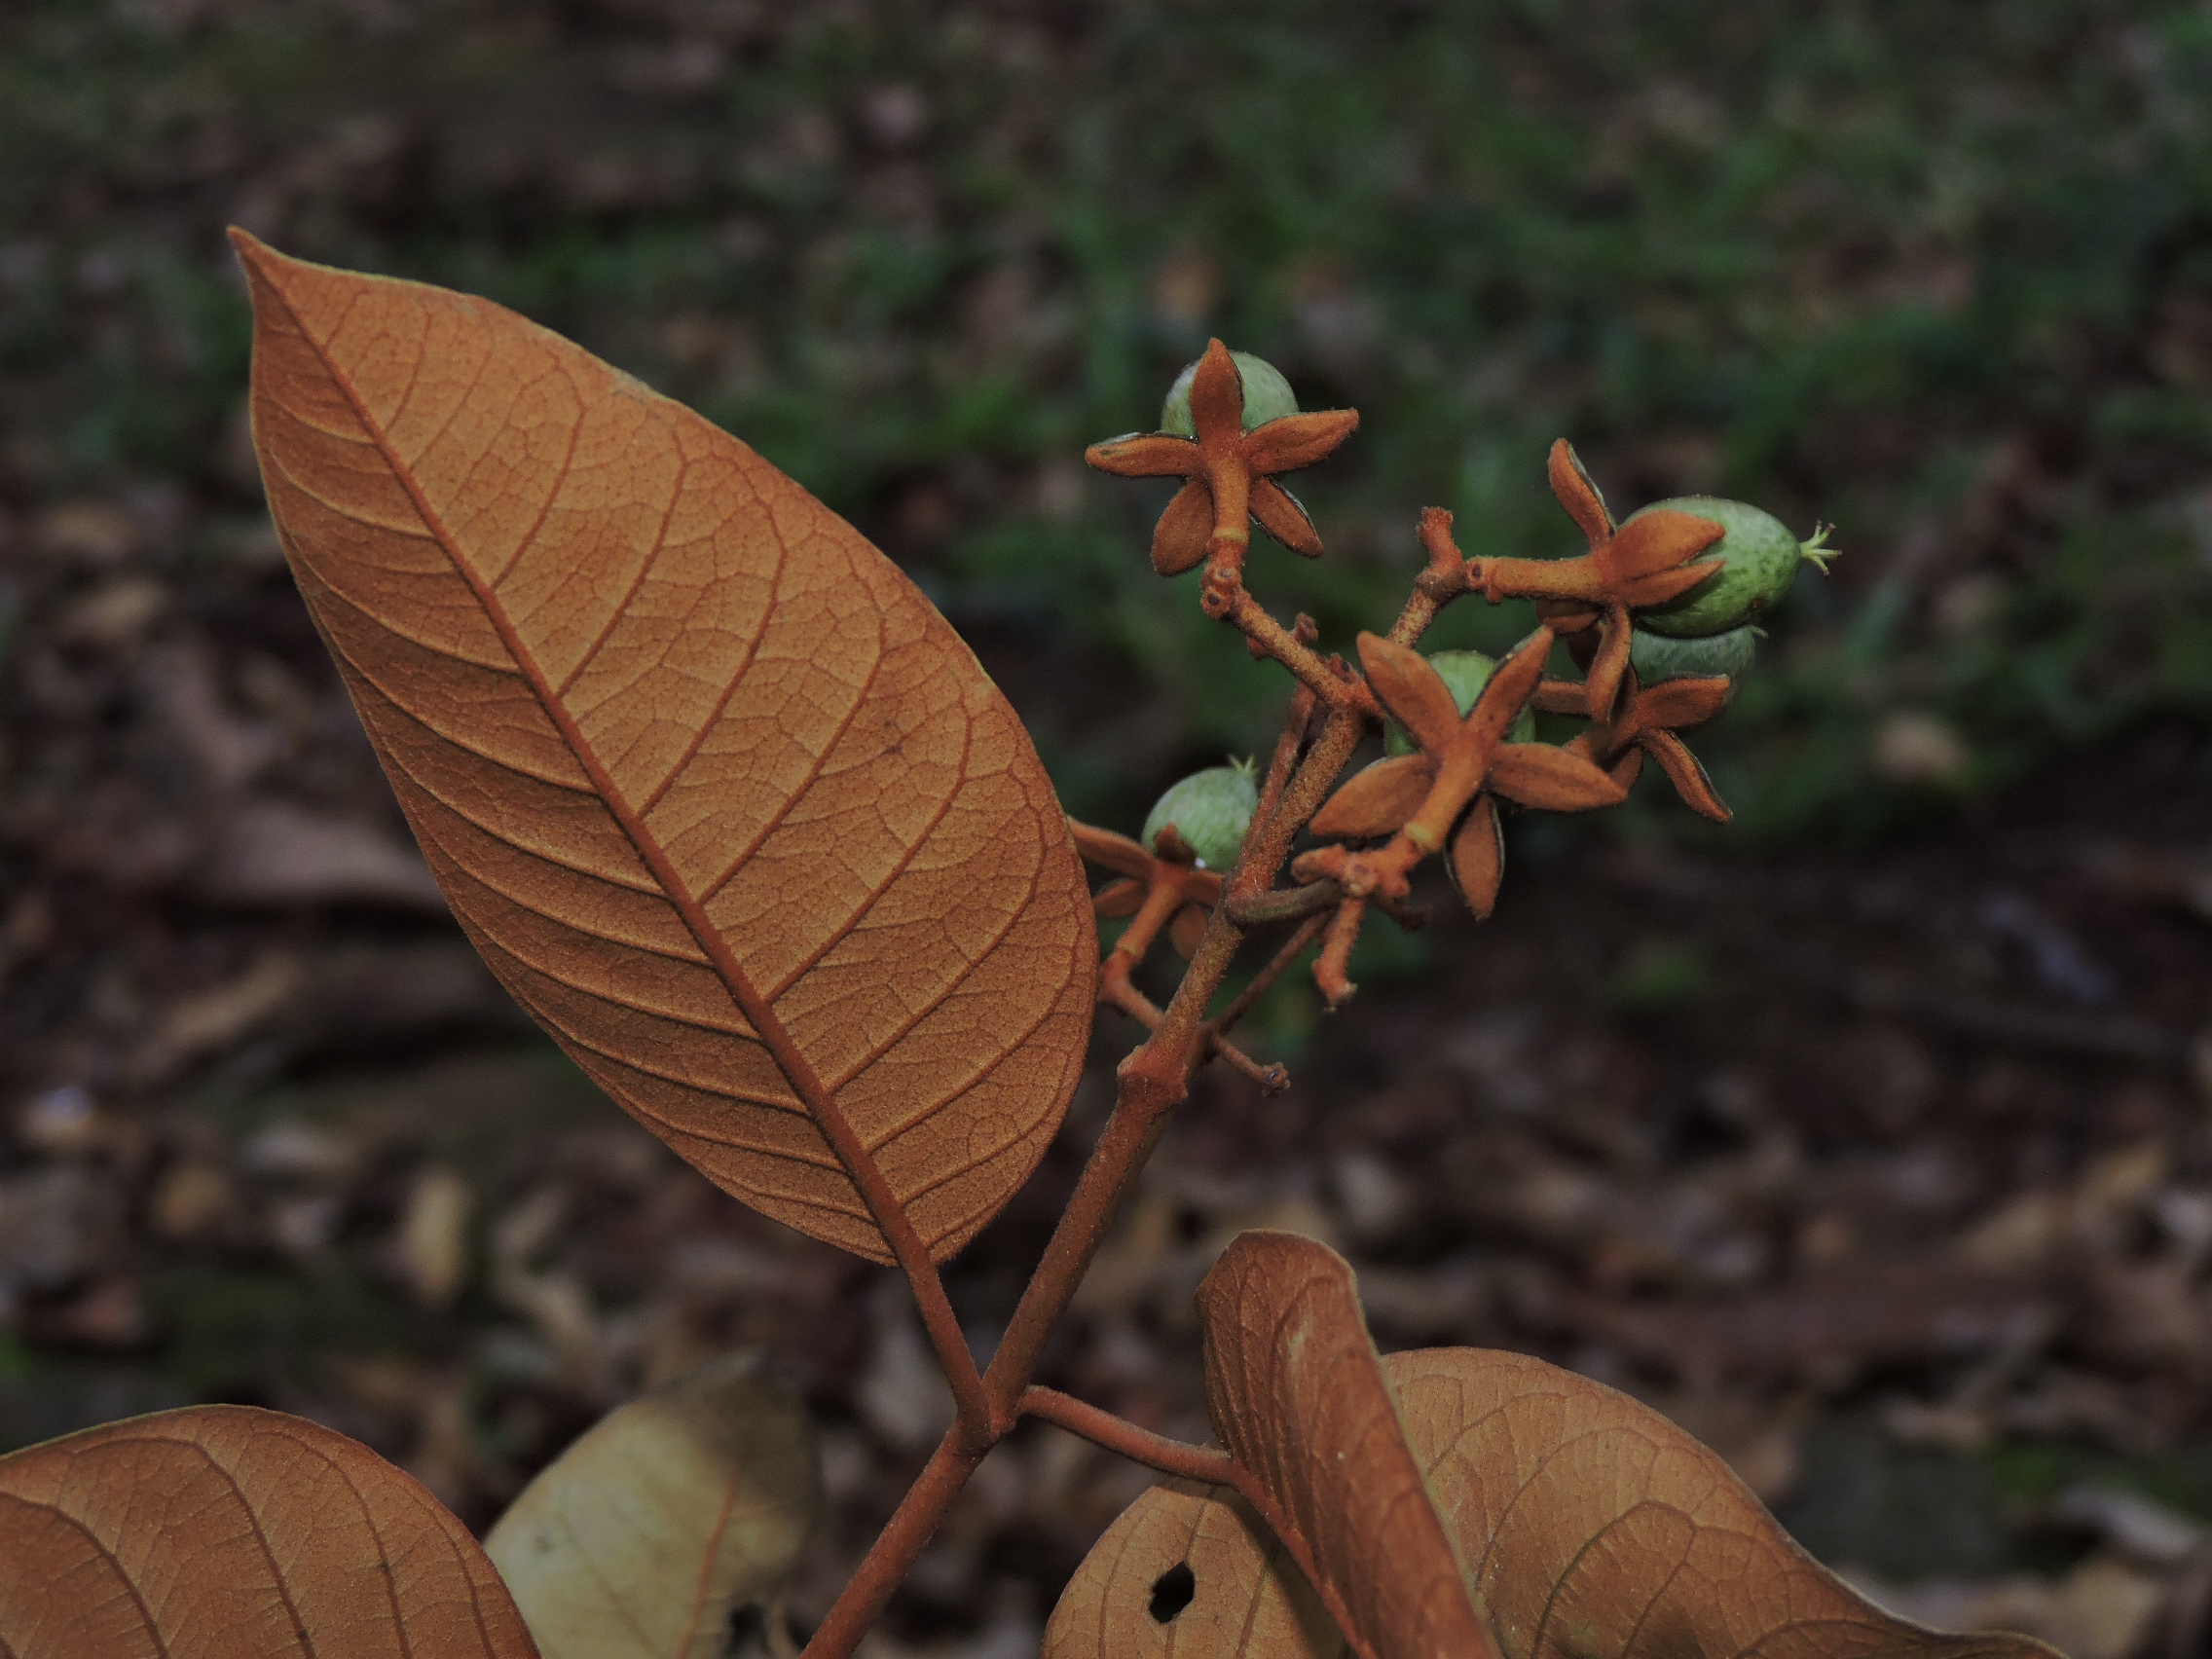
(1297, 1394)
(640, 1539)
(1592, 1528)
(230, 1532)
(719, 797)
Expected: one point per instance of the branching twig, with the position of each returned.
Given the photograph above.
(1280, 964)
(1139, 1444)
(1116, 991)
(1156, 1077)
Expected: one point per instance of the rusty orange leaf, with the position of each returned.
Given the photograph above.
(1296, 1396)
(230, 1532)
(1591, 1527)
(719, 797)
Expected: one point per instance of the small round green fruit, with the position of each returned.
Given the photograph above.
(1762, 559)
(1267, 396)
(1211, 810)
(1464, 675)
(1722, 656)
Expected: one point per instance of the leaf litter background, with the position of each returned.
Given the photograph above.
(1869, 1137)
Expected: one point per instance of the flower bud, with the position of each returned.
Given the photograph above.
(1464, 675)
(1211, 810)
(1267, 396)
(1762, 559)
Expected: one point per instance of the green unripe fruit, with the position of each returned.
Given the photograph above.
(1211, 810)
(1267, 397)
(1723, 656)
(1464, 675)
(1762, 560)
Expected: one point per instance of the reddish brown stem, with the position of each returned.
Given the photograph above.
(1245, 613)
(1119, 1434)
(1292, 904)
(895, 1551)
(1153, 1081)
(1280, 766)
(1116, 991)
(1343, 932)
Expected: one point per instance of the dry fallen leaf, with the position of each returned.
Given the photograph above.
(721, 798)
(1295, 1394)
(230, 1532)
(1591, 1528)
(673, 1510)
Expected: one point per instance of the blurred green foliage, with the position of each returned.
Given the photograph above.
(1941, 274)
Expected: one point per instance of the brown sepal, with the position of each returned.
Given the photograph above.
(1411, 689)
(1478, 857)
(1145, 454)
(1121, 854)
(1284, 517)
(1642, 592)
(1556, 780)
(1562, 697)
(1217, 396)
(1610, 666)
(1185, 930)
(1294, 441)
(1655, 541)
(1377, 799)
(1674, 704)
(1118, 898)
(1179, 541)
(1510, 686)
(1577, 493)
(1687, 775)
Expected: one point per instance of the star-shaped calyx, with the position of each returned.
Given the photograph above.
(1645, 563)
(1644, 722)
(1441, 796)
(1229, 475)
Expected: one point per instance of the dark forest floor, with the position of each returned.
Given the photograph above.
(1890, 1175)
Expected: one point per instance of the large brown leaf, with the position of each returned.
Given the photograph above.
(1591, 1526)
(228, 1533)
(1594, 1527)
(1296, 1396)
(722, 799)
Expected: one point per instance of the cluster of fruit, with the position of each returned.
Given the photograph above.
(1706, 633)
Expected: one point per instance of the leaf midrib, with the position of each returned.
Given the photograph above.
(828, 1115)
